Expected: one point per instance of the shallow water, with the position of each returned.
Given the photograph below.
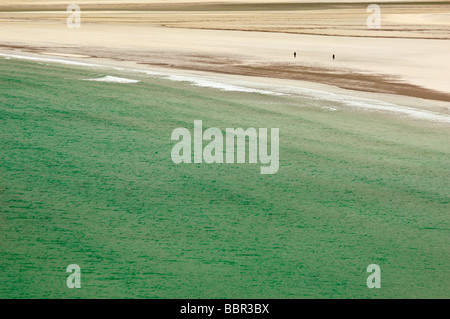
(87, 178)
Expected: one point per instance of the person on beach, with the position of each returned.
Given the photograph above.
(295, 54)
(333, 56)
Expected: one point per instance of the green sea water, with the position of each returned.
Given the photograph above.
(87, 178)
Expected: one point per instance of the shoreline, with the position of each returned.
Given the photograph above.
(393, 104)
(352, 80)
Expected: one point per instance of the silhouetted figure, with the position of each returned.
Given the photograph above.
(295, 54)
(333, 56)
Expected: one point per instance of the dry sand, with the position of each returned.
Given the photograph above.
(408, 56)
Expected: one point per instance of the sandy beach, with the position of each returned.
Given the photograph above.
(407, 56)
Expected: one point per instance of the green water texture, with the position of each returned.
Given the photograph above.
(87, 178)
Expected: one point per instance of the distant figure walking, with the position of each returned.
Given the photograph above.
(295, 54)
(333, 56)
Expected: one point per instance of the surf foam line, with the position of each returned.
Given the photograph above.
(108, 78)
(68, 62)
(113, 79)
(250, 87)
(197, 81)
(209, 82)
(370, 104)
